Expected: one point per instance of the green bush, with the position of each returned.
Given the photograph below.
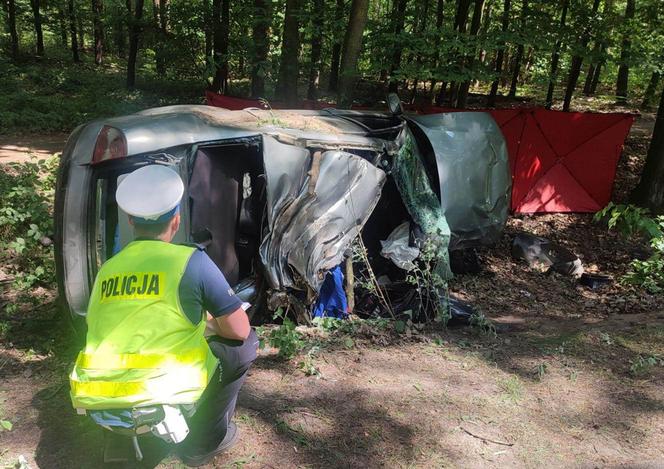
(629, 221)
(26, 221)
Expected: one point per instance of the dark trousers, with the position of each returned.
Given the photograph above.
(207, 427)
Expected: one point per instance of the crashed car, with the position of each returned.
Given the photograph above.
(277, 197)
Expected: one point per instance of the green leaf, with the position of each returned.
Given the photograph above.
(6, 425)
(400, 326)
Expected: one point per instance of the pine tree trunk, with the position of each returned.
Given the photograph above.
(555, 58)
(650, 190)
(162, 25)
(72, 31)
(290, 51)
(11, 25)
(98, 29)
(587, 86)
(596, 75)
(625, 54)
(649, 95)
(500, 55)
(336, 49)
(397, 28)
(35, 4)
(318, 18)
(519, 53)
(221, 32)
(421, 27)
(134, 38)
(81, 33)
(577, 61)
(462, 98)
(261, 26)
(359, 12)
(440, 10)
(62, 26)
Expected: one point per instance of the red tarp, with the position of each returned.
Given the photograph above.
(560, 161)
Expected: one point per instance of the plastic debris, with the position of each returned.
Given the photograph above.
(595, 281)
(396, 247)
(536, 250)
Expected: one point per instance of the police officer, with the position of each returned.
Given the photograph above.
(146, 321)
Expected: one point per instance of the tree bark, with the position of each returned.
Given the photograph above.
(421, 27)
(62, 26)
(397, 28)
(318, 19)
(596, 75)
(359, 12)
(260, 34)
(162, 24)
(98, 30)
(435, 63)
(625, 54)
(11, 26)
(475, 24)
(290, 51)
(577, 61)
(72, 31)
(555, 58)
(519, 53)
(650, 90)
(650, 190)
(336, 48)
(221, 32)
(35, 4)
(500, 55)
(587, 85)
(81, 33)
(135, 29)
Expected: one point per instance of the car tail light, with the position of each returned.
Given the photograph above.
(111, 144)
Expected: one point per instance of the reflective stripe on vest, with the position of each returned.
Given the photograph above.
(141, 349)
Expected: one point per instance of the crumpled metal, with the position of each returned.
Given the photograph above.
(310, 232)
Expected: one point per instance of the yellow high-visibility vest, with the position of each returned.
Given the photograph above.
(141, 349)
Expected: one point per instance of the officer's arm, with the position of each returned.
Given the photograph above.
(235, 325)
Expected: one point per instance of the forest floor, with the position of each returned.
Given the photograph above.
(565, 383)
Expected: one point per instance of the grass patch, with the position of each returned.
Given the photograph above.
(512, 388)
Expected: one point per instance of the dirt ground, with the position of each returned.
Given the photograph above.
(561, 385)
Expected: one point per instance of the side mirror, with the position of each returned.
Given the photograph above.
(394, 104)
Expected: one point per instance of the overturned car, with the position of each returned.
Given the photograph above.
(278, 197)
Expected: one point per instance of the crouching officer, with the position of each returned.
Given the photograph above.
(146, 319)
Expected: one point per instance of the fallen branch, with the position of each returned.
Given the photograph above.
(487, 439)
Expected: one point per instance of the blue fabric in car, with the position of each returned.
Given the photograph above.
(332, 302)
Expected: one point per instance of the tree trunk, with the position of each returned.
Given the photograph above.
(650, 90)
(336, 48)
(421, 29)
(359, 11)
(519, 53)
(160, 9)
(72, 30)
(587, 85)
(11, 26)
(435, 63)
(134, 37)
(81, 33)
(650, 190)
(577, 61)
(462, 97)
(596, 75)
(62, 26)
(500, 56)
(260, 34)
(221, 28)
(397, 28)
(318, 19)
(35, 4)
(555, 58)
(290, 51)
(625, 54)
(98, 29)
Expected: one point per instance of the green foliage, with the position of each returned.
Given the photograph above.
(26, 221)
(643, 365)
(630, 220)
(285, 337)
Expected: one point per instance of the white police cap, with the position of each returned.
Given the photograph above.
(150, 194)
